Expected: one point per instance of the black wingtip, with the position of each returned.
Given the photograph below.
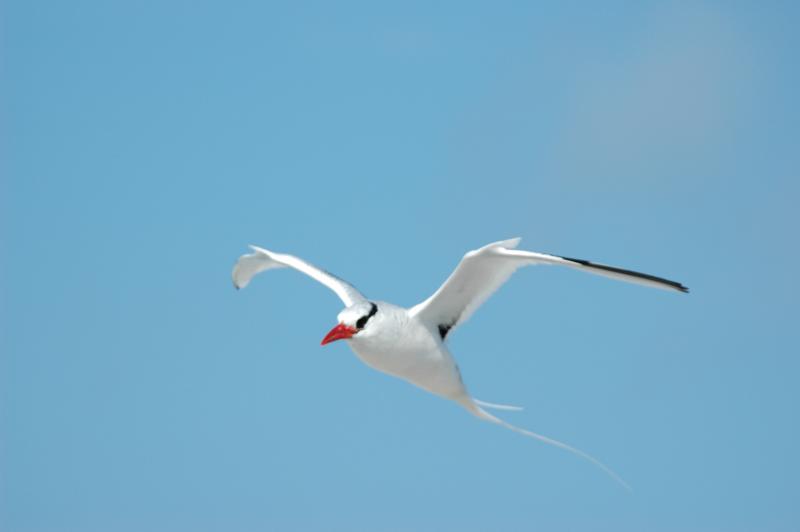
(645, 276)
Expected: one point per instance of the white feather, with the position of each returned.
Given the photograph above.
(262, 259)
(482, 271)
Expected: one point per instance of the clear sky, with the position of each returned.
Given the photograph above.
(145, 144)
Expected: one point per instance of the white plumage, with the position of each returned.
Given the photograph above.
(410, 343)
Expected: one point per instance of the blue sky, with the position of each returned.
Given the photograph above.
(146, 144)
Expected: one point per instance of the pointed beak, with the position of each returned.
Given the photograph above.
(340, 332)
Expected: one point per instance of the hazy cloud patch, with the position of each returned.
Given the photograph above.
(678, 96)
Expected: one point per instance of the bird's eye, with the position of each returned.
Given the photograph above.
(362, 321)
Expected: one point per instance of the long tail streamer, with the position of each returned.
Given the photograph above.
(496, 406)
(474, 407)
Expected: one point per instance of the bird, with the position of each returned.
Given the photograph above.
(411, 343)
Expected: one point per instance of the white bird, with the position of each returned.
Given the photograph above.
(410, 343)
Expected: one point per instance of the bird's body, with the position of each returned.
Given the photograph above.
(411, 343)
(408, 349)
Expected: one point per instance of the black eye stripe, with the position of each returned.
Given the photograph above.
(362, 321)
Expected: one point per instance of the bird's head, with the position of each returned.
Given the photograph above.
(352, 320)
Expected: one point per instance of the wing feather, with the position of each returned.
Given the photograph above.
(482, 271)
(262, 259)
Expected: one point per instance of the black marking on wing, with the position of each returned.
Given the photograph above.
(673, 284)
(444, 329)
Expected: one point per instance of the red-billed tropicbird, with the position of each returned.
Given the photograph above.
(410, 343)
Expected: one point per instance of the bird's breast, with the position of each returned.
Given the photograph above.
(414, 355)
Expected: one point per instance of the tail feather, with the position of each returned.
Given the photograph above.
(474, 407)
(496, 406)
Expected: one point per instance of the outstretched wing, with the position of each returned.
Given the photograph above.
(261, 259)
(483, 270)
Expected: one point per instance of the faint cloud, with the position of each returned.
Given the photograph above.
(675, 96)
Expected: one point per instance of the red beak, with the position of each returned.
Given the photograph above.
(340, 332)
